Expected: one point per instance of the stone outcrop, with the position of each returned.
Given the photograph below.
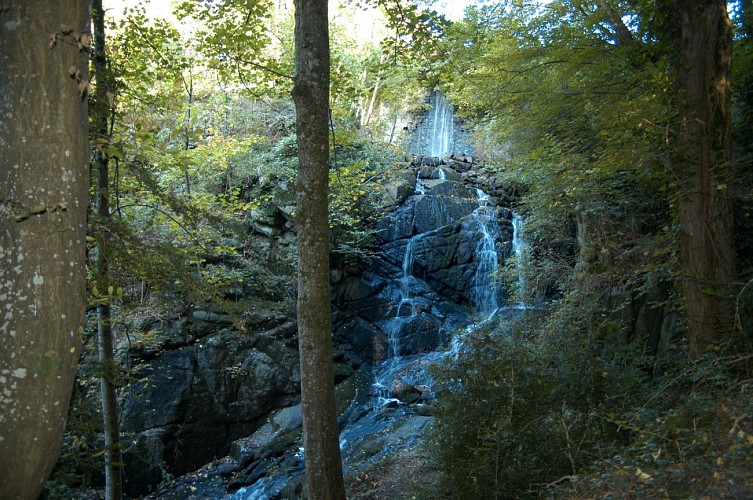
(185, 406)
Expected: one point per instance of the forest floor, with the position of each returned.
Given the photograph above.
(408, 474)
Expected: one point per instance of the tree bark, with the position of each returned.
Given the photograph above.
(101, 165)
(702, 163)
(44, 155)
(311, 95)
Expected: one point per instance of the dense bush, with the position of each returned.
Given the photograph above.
(520, 408)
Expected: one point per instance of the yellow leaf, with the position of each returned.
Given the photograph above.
(721, 187)
(642, 475)
(719, 461)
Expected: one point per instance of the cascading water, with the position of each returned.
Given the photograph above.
(414, 300)
(519, 252)
(420, 188)
(442, 127)
(385, 373)
(486, 289)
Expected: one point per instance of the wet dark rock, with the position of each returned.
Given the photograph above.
(444, 172)
(366, 340)
(425, 164)
(461, 164)
(257, 446)
(188, 405)
(151, 336)
(140, 476)
(415, 334)
(407, 393)
(398, 188)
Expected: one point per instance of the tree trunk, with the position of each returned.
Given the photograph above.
(702, 163)
(43, 198)
(100, 112)
(311, 95)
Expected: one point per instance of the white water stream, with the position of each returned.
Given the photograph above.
(437, 134)
(519, 250)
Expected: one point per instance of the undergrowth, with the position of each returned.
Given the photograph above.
(555, 411)
(692, 438)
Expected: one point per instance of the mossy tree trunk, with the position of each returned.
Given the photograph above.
(702, 163)
(44, 157)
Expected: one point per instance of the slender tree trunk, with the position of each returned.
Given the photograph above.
(311, 95)
(702, 162)
(44, 157)
(187, 144)
(374, 93)
(100, 113)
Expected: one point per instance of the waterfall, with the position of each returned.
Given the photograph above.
(412, 310)
(405, 279)
(519, 251)
(385, 374)
(437, 133)
(486, 289)
(442, 127)
(420, 188)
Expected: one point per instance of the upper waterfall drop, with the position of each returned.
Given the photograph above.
(443, 127)
(438, 133)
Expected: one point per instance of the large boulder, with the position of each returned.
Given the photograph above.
(186, 406)
(412, 334)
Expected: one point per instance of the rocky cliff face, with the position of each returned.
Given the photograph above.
(189, 400)
(423, 281)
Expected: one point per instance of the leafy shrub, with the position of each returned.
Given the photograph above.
(520, 408)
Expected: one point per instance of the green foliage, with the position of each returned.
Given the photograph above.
(355, 194)
(518, 408)
(416, 30)
(236, 40)
(266, 176)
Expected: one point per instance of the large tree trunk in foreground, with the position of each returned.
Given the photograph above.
(101, 165)
(311, 94)
(704, 43)
(44, 158)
